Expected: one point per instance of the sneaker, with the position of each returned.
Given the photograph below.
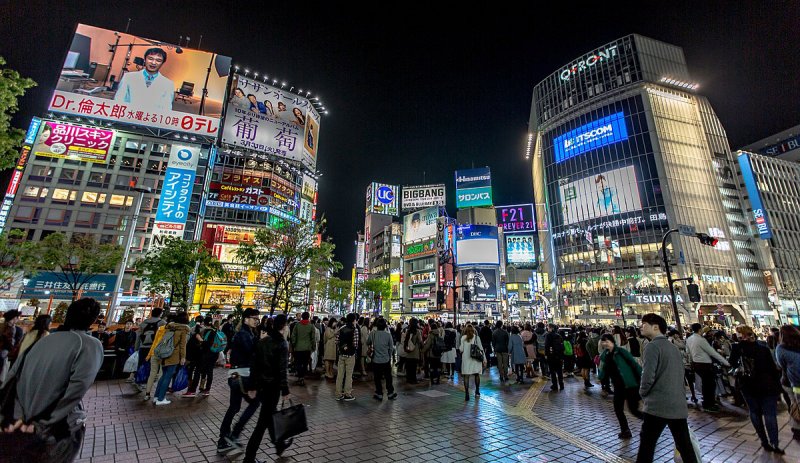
(162, 402)
(340, 398)
(188, 395)
(223, 448)
(392, 396)
(146, 397)
(377, 397)
(712, 409)
(281, 446)
(349, 398)
(205, 393)
(130, 380)
(235, 447)
(625, 434)
(553, 388)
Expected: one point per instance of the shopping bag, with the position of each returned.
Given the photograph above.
(221, 360)
(131, 363)
(181, 380)
(288, 422)
(143, 373)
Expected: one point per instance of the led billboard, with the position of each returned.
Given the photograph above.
(477, 245)
(120, 77)
(473, 187)
(607, 193)
(176, 193)
(270, 120)
(517, 218)
(595, 134)
(68, 141)
(482, 283)
(420, 225)
(759, 212)
(418, 197)
(520, 249)
(382, 199)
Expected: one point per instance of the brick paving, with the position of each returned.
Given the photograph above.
(525, 424)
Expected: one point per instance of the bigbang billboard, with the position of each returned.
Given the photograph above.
(123, 78)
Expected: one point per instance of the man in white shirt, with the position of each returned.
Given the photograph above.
(148, 88)
(701, 353)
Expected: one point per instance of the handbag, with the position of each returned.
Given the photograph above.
(288, 422)
(476, 352)
(130, 364)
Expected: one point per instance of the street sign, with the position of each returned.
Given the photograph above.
(686, 230)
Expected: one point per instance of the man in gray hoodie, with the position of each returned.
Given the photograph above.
(663, 393)
(383, 349)
(53, 376)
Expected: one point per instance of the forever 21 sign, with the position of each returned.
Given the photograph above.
(418, 197)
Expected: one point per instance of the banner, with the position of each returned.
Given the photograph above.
(418, 197)
(68, 141)
(482, 283)
(473, 188)
(420, 225)
(176, 193)
(607, 193)
(270, 120)
(476, 245)
(120, 77)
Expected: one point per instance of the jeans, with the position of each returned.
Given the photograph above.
(269, 402)
(237, 383)
(794, 398)
(502, 365)
(630, 395)
(519, 371)
(301, 359)
(163, 383)
(709, 382)
(382, 371)
(763, 411)
(556, 371)
(653, 426)
(344, 375)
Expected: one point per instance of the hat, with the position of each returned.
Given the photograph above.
(11, 314)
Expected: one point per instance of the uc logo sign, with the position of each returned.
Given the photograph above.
(184, 154)
(385, 195)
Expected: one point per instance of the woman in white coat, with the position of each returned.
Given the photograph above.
(470, 366)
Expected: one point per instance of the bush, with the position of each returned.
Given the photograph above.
(60, 312)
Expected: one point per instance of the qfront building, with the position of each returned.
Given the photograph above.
(623, 150)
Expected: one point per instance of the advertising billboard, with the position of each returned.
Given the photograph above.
(759, 213)
(607, 193)
(360, 255)
(420, 225)
(520, 249)
(123, 78)
(68, 141)
(595, 134)
(16, 176)
(517, 218)
(382, 199)
(473, 187)
(270, 120)
(418, 197)
(477, 245)
(481, 282)
(176, 193)
(427, 277)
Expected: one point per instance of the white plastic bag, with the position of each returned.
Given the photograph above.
(131, 363)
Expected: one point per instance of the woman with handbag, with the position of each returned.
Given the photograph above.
(410, 344)
(788, 355)
(759, 377)
(329, 353)
(473, 360)
(625, 374)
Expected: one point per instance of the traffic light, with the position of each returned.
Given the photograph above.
(467, 297)
(618, 313)
(440, 297)
(694, 292)
(707, 240)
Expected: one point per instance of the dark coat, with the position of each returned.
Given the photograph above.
(765, 379)
(269, 369)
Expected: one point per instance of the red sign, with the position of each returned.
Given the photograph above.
(67, 141)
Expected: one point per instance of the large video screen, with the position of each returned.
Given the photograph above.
(600, 195)
(520, 249)
(482, 283)
(120, 77)
(596, 134)
(477, 245)
(420, 225)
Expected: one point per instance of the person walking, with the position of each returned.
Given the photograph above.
(541, 359)
(302, 342)
(207, 358)
(788, 356)
(517, 354)
(663, 394)
(759, 377)
(702, 354)
(410, 343)
(329, 354)
(269, 383)
(147, 332)
(347, 341)
(432, 349)
(471, 366)
(529, 341)
(554, 351)
(52, 409)
(10, 338)
(583, 359)
(500, 341)
(381, 344)
(624, 372)
(124, 342)
(242, 350)
(676, 339)
(485, 334)
(449, 355)
(176, 333)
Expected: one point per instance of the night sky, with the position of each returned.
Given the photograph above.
(417, 92)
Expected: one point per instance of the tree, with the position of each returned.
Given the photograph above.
(77, 261)
(168, 269)
(380, 289)
(60, 312)
(286, 255)
(12, 87)
(16, 254)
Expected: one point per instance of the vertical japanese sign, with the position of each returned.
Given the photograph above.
(270, 120)
(760, 217)
(176, 193)
(68, 141)
(16, 177)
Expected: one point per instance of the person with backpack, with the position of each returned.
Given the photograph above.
(302, 343)
(569, 355)
(51, 379)
(410, 343)
(147, 332)
(625, 374)
(347, 342)
(433, 348)
(485, 335)
(170, 351)
(381, 344)
(500, 340)
(449, 355)
(213, 342)
(702, 355)
(760, 380)
(540, 334)
(554, 352)
(529, 341)
(517, 354)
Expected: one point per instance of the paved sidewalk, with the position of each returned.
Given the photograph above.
(508, 423)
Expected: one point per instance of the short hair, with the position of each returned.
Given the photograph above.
(279, 322)
(552, 326)
(351, 317)
(499, 324)
(156, 51)
(381, 324)
(250, 313)
(81, 314)
(608, 337)
(11, 314)
(656, 320)
(746, 331)
(514, 329)
(156, 312)
(181, 317)
(305, 316)
(208, 320)
(696, 327)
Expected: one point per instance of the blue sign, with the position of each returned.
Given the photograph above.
(253, 207)
(474, 197)
(783, 146)
(176, 191)
(473, 178)
(45, 283)
(385, 194)
(759, 213)
(33, 129)
(601, 132)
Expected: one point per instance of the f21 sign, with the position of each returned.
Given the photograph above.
(517, 218)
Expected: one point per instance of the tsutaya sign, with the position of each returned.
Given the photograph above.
(657, 298)
(588, 62)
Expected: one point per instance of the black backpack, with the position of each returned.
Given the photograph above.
(636, 351)
(346, 341)
(151, 327)
(449, 340)
(437, 346)
(557, 346)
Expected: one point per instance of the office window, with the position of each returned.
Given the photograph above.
(70, 176)
(87, 219)
(64, 196)
(41, 173)
(93, 198)
(58, 217)
(27, 214)
(35, 193)
(98, 179)
(121, 201)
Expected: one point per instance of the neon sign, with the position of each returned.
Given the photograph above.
(596, 134)
(588, 62)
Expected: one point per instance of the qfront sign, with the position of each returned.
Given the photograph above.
(595, 134)
(588, 62)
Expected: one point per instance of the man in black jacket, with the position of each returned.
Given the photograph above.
(554, 350)
(269, 378)
(242, 350)
(485, 335)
